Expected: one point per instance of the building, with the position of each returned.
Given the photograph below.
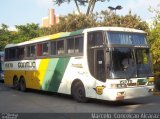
(51, 19)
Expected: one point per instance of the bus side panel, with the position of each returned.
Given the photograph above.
(54, 74)
(35, 77)
(76, 70)
(9, 75)
(49, 73)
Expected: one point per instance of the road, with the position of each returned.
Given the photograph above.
(14, 101)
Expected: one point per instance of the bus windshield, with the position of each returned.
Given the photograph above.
(125, 38)
(130, 62)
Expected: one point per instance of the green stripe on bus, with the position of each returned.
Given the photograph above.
(76, 32)
(56, 75)
(49, 73)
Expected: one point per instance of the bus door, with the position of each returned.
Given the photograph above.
(99, 71)
(99, 64)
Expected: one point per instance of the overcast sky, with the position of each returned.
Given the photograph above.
(17, 12)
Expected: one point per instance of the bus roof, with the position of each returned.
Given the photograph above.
(120, 29)
(78, 32)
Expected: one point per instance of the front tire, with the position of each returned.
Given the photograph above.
(78, 92)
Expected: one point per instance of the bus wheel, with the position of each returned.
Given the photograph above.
(15, 83)
(22, 84)
(78, 92)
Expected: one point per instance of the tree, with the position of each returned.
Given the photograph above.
(90, 4)
(154, 39)
(108, 18)
(5, 36)
(73, 22)
(134, 21)
(27, 32)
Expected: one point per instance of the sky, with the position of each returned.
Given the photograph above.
(21, 12)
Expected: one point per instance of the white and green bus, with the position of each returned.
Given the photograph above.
(108, 63)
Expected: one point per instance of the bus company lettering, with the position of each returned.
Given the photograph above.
(125, 81)
(128, 82)
(27, 64)
(8, 65)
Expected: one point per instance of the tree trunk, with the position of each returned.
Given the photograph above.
(92, 7)
(89, 7)
(77, 6)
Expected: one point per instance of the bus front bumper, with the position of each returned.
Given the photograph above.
(127, 93)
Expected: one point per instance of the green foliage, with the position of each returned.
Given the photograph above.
(26, 32)
(129, 20)
(5, 36)
(154, 39)
(73, 22)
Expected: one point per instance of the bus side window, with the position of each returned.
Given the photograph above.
(12, 53)
(33, 51)
(53, 48)
(79, 45)
(39, 50)
(60, 47)
(6, 54)
(45, 49)
(70, 45)
(28, 51)
(20, 52)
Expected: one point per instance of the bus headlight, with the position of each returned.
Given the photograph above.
(150, 83)
(118, 85)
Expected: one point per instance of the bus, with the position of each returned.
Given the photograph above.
(106, 63)
(1, 66)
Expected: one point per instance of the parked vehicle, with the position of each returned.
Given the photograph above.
(108, 63)
(1, 66)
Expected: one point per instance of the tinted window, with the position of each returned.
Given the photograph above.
(53, 48)
(79, 45)
(39, 50)
(127, 38)
(45, 48)
(31, 51)
(95, 39)
(70, 45)
(10, 53)
(60, 47)
(20, 52)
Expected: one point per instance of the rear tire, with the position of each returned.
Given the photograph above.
(22, 84)
(78, 92)
(15, 83)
